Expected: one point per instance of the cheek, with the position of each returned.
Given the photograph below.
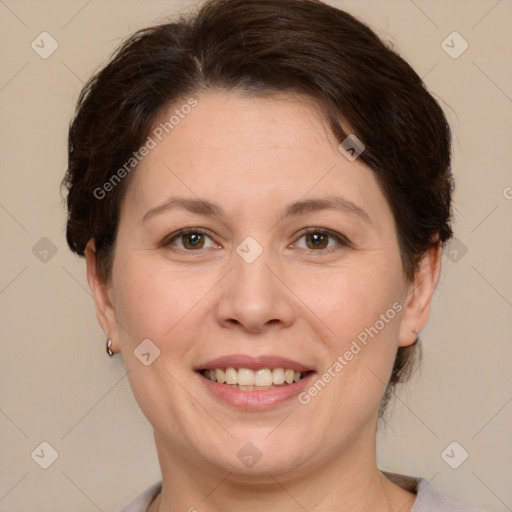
(163, 303)
(153, 304)
(354, 298)
(148, 301)
(361, 309)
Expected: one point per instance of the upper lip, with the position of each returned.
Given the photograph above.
(254, 363)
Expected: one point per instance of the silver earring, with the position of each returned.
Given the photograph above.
(109, 349)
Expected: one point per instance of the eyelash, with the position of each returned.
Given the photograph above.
(342, 241)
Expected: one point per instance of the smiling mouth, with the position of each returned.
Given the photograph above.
(249, 380)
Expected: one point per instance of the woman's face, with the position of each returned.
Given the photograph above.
(291, 263)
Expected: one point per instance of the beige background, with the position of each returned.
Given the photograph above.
(56, 382)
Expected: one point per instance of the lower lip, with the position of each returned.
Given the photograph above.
(255, 400)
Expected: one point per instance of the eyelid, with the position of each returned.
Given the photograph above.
(174, 236)
(340, 239)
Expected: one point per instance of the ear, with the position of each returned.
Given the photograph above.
(101, 292)
(419, 296)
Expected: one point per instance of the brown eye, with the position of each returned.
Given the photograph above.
(321, 239)
(190, 239)
(316, 240)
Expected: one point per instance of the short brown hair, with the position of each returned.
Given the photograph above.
(261, 47)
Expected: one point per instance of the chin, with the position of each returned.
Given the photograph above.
(247, 460)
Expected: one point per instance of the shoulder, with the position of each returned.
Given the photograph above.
(143, 500)
(428, 498)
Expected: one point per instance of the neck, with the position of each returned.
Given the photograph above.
(349, 481)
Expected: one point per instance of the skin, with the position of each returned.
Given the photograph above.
(251, 156)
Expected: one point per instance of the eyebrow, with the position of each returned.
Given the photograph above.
(209, 209)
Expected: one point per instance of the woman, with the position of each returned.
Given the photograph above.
(261, 193)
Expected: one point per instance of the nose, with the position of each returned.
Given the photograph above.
(254, 296)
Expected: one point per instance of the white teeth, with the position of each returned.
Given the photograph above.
(278, 376)
(245, 378)
(220, 375)
(263, 377)
(231, 376)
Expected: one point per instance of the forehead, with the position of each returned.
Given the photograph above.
(248, 151)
